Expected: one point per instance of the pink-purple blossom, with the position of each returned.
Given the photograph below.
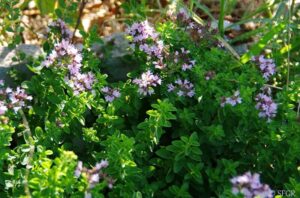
(61, 25)
(94, 175)
(145, 37)
(232, 100)
(266, 106)
(66, 55)
(266, 65)
(183, 58)
(110, 93)
(142, 31)
(182, 88)
(183, 15)
(81, 82)
(146, 82)
(13, 99)
(209, 75)
(249, 186)
(159, 64)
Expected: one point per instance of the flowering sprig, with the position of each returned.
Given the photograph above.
(12, 99)
(81, 82)
(146, 82)
(110, 93)
(159, 64)
(142, 31)
(182, 88)
(201, 34)
(233, 100)
(250, 186)
(266, 106)
(64, 30)
(145, 37)
(266, 66)
(182, 57)
(65, 54)
(94, 175)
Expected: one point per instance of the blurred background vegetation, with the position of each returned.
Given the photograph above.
(249, 27)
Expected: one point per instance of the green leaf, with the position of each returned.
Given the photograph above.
(178, 165)
(45, 7)
(163, 153)
(258, 47)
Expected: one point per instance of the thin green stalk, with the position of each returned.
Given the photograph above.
(221, 17)
(289, 42)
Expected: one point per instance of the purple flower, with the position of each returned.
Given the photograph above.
(182, 88)
(182, 57)
(184, 51)
(95, 174)
(146, 83)
(142, 31)
(267, 66)
(110, 94)
(81, 82)
(102, 164)
(266, 106)
(183, 15)
(250, 186)
(78, 169)
(209, 75)
(233, 100)
(170, 87)
(18, 98)
(65, 31)
(186, 67)
(159, 64)
(13, 99)
(74, 68)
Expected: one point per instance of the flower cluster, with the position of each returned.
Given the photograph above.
(267, 66)
(81, 82)
(209, 75)
(233, 100)
(12, 99)
(197, 32)
(61, 25)
(183, 15)
(110, 93)
(146, 38)
(146, 83)
(182, 57)
(250, 186)
(266, 106)
(182, 88)
(65, 54)
(142, 31)
(95, 174)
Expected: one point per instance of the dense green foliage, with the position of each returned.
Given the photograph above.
(163, 144)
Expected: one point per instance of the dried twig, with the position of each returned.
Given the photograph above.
(272, 86)
(298, 110)
(31, 152)
(82, 4)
